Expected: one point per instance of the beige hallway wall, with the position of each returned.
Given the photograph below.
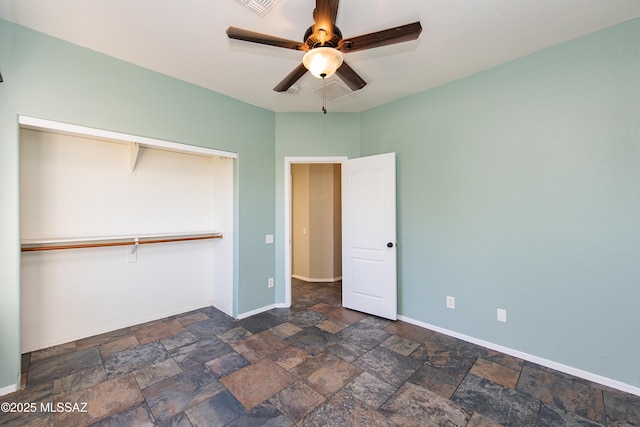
(316, 222)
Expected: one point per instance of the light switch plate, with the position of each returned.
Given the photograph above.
(268, 239)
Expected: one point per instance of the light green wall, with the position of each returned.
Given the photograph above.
(519, 188)
(47, 78)
(308, 135)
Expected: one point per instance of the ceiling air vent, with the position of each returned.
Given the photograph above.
(261, 7)
(335, 90)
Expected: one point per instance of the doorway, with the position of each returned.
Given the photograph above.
(312, 222)
(369, 245)
(316, 235)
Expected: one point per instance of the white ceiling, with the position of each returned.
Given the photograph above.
(186, 39)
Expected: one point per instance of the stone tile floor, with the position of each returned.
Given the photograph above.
(315, 364)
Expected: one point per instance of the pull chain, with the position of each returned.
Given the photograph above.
(324, 93)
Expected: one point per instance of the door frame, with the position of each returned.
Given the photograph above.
(288, 161)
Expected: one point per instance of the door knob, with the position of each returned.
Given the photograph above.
(389, 245)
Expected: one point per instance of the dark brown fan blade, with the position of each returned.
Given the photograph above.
(324, 16)
(350, 77)
(291, 78)
(250, 36)
(399, 34)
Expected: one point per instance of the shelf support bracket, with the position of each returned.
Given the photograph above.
(134, 149)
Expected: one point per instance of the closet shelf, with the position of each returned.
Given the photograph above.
(97, 242)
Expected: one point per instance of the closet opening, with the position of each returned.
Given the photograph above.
(118, 230)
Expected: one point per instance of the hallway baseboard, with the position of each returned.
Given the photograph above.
(316, 280)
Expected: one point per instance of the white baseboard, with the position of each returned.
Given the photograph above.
(256, 311)
(317, 280)
(618, 385)
(262, 310)
(9, 389)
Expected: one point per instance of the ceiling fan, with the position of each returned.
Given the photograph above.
(324, 46)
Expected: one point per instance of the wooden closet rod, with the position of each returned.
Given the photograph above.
(128, 242)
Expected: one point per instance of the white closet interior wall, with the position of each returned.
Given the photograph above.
(79, 187)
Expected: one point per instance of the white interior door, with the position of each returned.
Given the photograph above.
(369, 235)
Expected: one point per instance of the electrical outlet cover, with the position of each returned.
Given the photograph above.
(451, 303)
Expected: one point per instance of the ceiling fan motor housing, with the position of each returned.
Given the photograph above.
(313, 40)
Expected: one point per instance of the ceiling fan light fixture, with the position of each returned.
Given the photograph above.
(322, 62)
